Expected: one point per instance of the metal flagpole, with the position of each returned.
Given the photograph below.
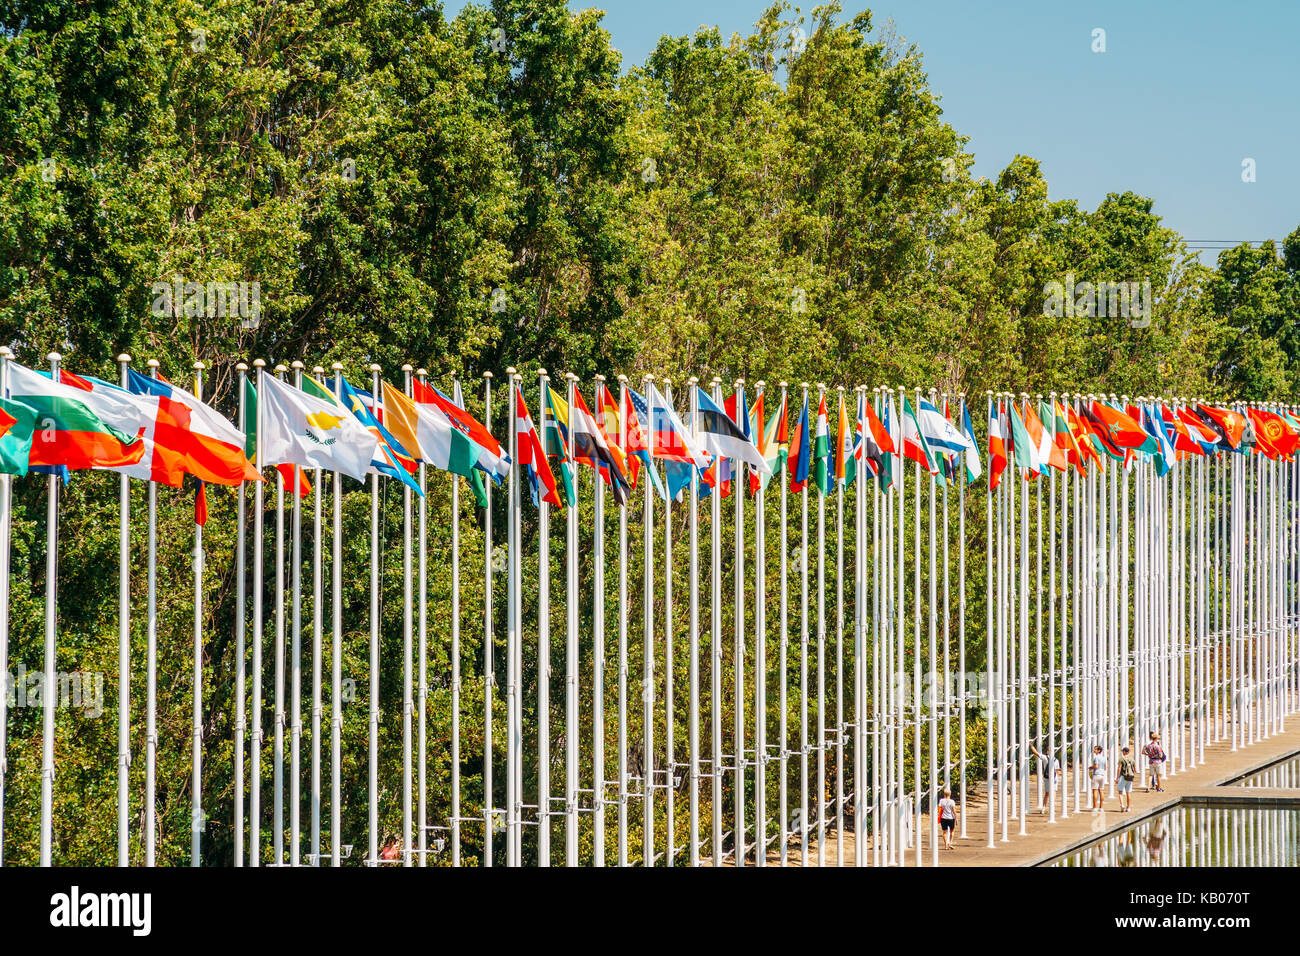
(241, 586)
(961, 622)
(839, 651)
(933, 676)
(1022, 729)
(783, 748)
(760, 666)
(571, 659)
(903, 810)
(820, 804)
(123, 649)
(738, 646)
(48, 697)
(693, 730)
(670, 762)
(544, 647)
(277, 833)
(489, 646)
(422, 814)
(989, 638)
(514, 738)
(455, 656)
(877, 630)
(336, 659)
(255, 797)
(803, 657)
(408, 638)
(624, 402)
(295, 636)
(648, 667)
(859, 643)
(916, 657)
(715, 647)
(318, 595)
(373, 743)
(598, 658)
(196, 738)
(6, 522)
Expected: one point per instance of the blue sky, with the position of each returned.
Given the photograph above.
(1183, 93)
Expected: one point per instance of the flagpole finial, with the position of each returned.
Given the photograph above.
(510, 370)
(803, 385)
(408, 367)
(317, 370)
(760, 384)
(693, 380)
(281, 369)
(6, 351)
(645, 379)
(543, 373)
(257, 363)
(374, 367)
(570, 377)
(124, 358)
(668, 383)
(241, 367)
(336, 366)
(53, 357)
(421, 373)
(296, 364)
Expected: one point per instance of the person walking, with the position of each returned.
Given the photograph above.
(1049, 771)
(1155, 755)
(1125, 772)
(1097, 769)
(947, 817)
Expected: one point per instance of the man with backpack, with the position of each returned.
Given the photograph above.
(1126, 771)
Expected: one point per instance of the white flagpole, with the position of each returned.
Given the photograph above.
(123, 651)
(422, 815)
(408, 663)
(916, 657)
(760, 666)
(489, 647)
(241, 594)
(930, 702)
(803, 648)
(782, 748)
(623, 559)
(336, 660)
(598, 658)
(961, 622)
(839, 646)
(738, 648)
(255, 797)
(989, 557)
(295, 636)
(715, 648)
(670, 760)
(455, 659)
(196, 741)
(1022, 730)
(277, 834)
(648, 668)
(571, 658)
(6, 522)
(821, 650)
(373, 697)
(318, 595)
(514, 739)
(544, 647)
(693, 728)
(902, 804)
(859, 647)
(48, 697)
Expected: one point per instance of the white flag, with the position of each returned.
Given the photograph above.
(301, 429)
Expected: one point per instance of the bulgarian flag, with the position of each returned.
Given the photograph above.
(68, 432)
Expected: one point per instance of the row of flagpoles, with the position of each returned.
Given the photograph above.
(1142, 574)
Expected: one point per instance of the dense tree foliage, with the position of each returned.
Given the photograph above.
(501, 189)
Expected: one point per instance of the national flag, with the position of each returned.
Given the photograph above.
(971, 457)
(207, 445)
(822, 449)
(1164, 457)
(798, 465)
(1178, 432)
(843, 446)
(1273, 437)
(720, 436)
(941, 436)
(1062, 437)
(773, 441)
(997, 445)
(915, 447)
(17, 423)
(1117, 430)
(555, 440)
(1200, 433)
(1040, 432)
(67, 433)
(531, 455)
(1229, 426)
(607, 418)
(440, 443)
(590, 448)
(389, 457)
(287, 472)
(132, 415)
(1089, 445)
(492, 458)
(669, 438)
(312, 432)
(636, 422)
(877, 444)
(1024, 449)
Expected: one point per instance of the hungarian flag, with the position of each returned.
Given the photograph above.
(822, 449)
(287, 472)
(1228, 426)
(997, 445)
(531, 455)
(798, 465)
(71, 434)
(17, 422)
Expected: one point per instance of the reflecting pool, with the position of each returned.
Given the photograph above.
(1200, 835)
(1284, 774)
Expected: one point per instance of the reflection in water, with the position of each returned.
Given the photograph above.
(1285, 774)
(1200, 836)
